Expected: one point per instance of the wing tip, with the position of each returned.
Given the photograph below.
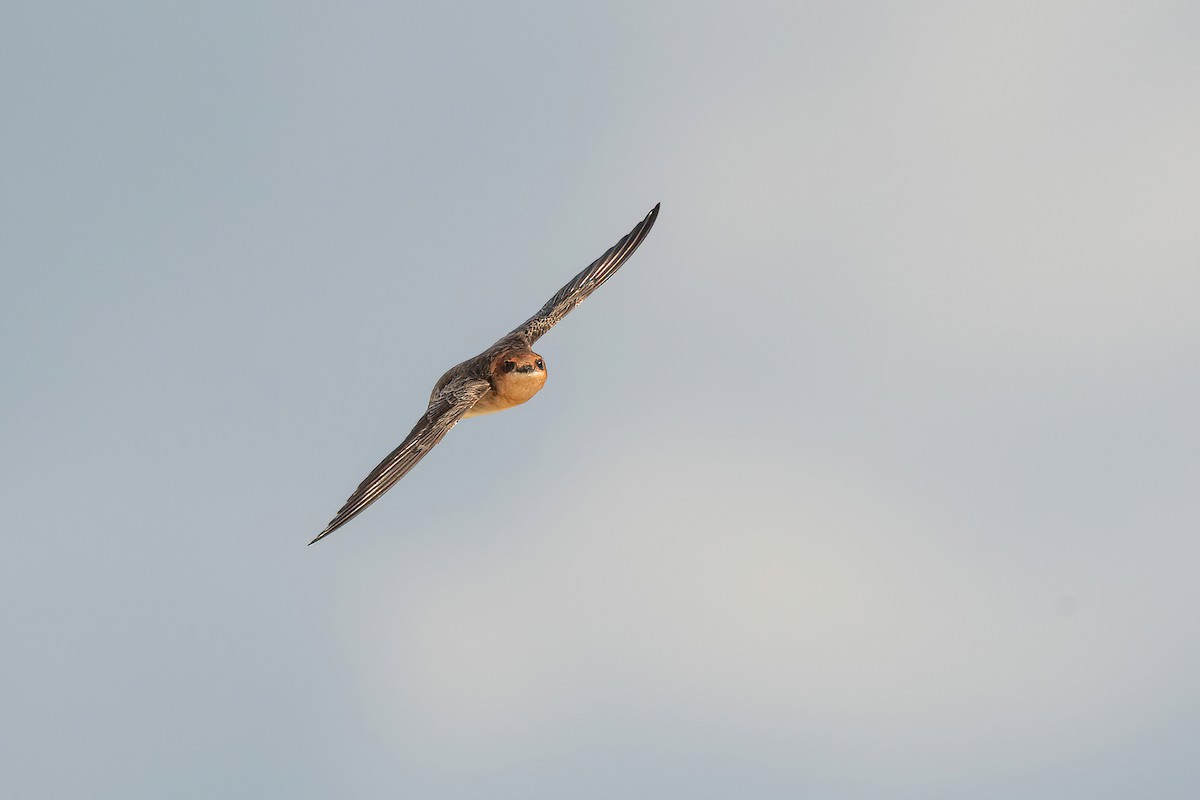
(330, 528)
(643, 228)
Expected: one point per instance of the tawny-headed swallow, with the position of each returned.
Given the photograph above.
(505, 375)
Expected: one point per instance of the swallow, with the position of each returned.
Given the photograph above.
(506, 374)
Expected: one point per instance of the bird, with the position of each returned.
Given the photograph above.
(504, 375)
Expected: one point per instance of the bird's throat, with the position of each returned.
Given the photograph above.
(508, 390)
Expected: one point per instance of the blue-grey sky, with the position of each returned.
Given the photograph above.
(873, 474)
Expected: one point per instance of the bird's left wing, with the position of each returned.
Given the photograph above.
(578, 288)
(454, 400)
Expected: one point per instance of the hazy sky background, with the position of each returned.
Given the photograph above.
(874, 474)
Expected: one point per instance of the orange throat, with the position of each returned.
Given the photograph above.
(509, 389)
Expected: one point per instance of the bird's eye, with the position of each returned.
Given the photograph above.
(539, 363)
(509, 366)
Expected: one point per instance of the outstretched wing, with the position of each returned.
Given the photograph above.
(582, 284)
(444, 412)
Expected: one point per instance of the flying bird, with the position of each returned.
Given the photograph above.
(505, 375)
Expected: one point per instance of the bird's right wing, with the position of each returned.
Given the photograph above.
(444, 412)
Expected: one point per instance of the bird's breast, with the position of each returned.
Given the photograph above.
(508, 390)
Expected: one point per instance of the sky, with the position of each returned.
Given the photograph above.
(873, 474)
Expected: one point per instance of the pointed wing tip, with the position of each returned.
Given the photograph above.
(646, 224)
(323, 534)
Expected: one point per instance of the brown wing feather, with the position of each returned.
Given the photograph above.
(444, 412)
(582, 285)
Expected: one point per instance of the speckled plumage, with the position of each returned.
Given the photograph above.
(506, 374)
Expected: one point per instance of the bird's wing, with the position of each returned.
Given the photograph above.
(582, 285)
(443, 413)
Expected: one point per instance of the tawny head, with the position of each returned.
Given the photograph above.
(523, 362)
(518, 375)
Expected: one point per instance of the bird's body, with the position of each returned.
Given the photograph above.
(506, 374)
(514, 375)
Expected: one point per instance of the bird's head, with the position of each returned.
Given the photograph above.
(518, 374)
